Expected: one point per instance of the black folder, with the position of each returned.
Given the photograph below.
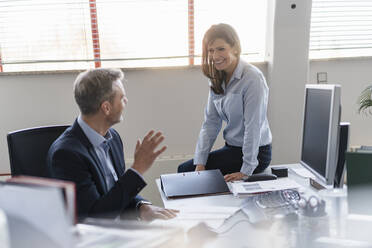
(194, 183)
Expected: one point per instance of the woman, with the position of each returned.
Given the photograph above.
(238, 95)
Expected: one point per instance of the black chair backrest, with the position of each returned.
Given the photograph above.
(28, 149)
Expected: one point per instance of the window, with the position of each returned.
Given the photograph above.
(42, 35)
(247, 17)
(341, 28)
(139, 33)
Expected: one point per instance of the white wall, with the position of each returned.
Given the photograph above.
(172, 100)
(287, 55)
(353, 75)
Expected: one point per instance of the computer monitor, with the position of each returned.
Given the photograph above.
(320, 138)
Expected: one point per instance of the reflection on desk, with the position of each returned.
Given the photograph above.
(102, 233)
(189, 217)
(269, 205)
(333, 228)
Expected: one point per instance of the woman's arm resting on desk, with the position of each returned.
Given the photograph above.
(234, 176)
(199, 167)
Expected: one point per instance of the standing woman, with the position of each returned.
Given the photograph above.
(238, 95)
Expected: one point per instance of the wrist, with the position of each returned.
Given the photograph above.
(142, 203)
(244, 176)
(138, 168)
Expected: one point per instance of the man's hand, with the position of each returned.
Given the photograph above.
(234, 176)
(145, 153)
(150, 212)
(199, 167)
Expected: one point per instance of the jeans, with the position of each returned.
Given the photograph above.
(229, 159)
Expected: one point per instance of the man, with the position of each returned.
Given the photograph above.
(90, 152)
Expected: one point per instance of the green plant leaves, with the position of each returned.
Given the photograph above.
(365, 100)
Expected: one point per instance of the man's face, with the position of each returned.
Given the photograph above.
(118, 104)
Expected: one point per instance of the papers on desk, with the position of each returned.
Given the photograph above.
(188, 217)
(126, 234)
(244, 188)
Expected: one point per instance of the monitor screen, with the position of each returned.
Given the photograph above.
(320, 131)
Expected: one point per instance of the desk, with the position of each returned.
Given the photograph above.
(331, 230)
(105, 233)
(223, 200)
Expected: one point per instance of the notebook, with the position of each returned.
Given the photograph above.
(194, 183)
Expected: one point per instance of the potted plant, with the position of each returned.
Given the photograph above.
(365, 100)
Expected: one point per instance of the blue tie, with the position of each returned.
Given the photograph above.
(110, 181)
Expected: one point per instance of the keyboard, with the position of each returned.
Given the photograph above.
(266, 206)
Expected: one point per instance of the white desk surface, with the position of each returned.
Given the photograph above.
(227, 200)
(237, 231)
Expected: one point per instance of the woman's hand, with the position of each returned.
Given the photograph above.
(199, 167)
(234, 176)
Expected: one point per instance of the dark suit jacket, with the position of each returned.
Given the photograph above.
(73, 158)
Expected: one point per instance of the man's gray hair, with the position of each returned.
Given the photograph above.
(93, 87)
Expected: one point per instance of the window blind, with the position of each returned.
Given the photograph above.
(341, 28)
(42, 35)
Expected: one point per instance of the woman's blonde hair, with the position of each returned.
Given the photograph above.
(228, 34)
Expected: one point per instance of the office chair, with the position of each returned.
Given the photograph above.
(28, 149)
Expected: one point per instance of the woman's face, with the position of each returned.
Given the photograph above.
(224, 56)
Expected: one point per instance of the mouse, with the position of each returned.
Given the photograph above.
(260, 177)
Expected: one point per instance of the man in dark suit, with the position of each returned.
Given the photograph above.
(90, 152)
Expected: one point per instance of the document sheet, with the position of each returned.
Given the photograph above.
(213, 216)
(243, 188)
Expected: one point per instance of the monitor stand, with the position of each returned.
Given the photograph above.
(317, 185)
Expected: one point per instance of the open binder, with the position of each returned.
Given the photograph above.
(194, 183)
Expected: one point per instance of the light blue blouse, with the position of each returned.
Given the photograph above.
(243, 107)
